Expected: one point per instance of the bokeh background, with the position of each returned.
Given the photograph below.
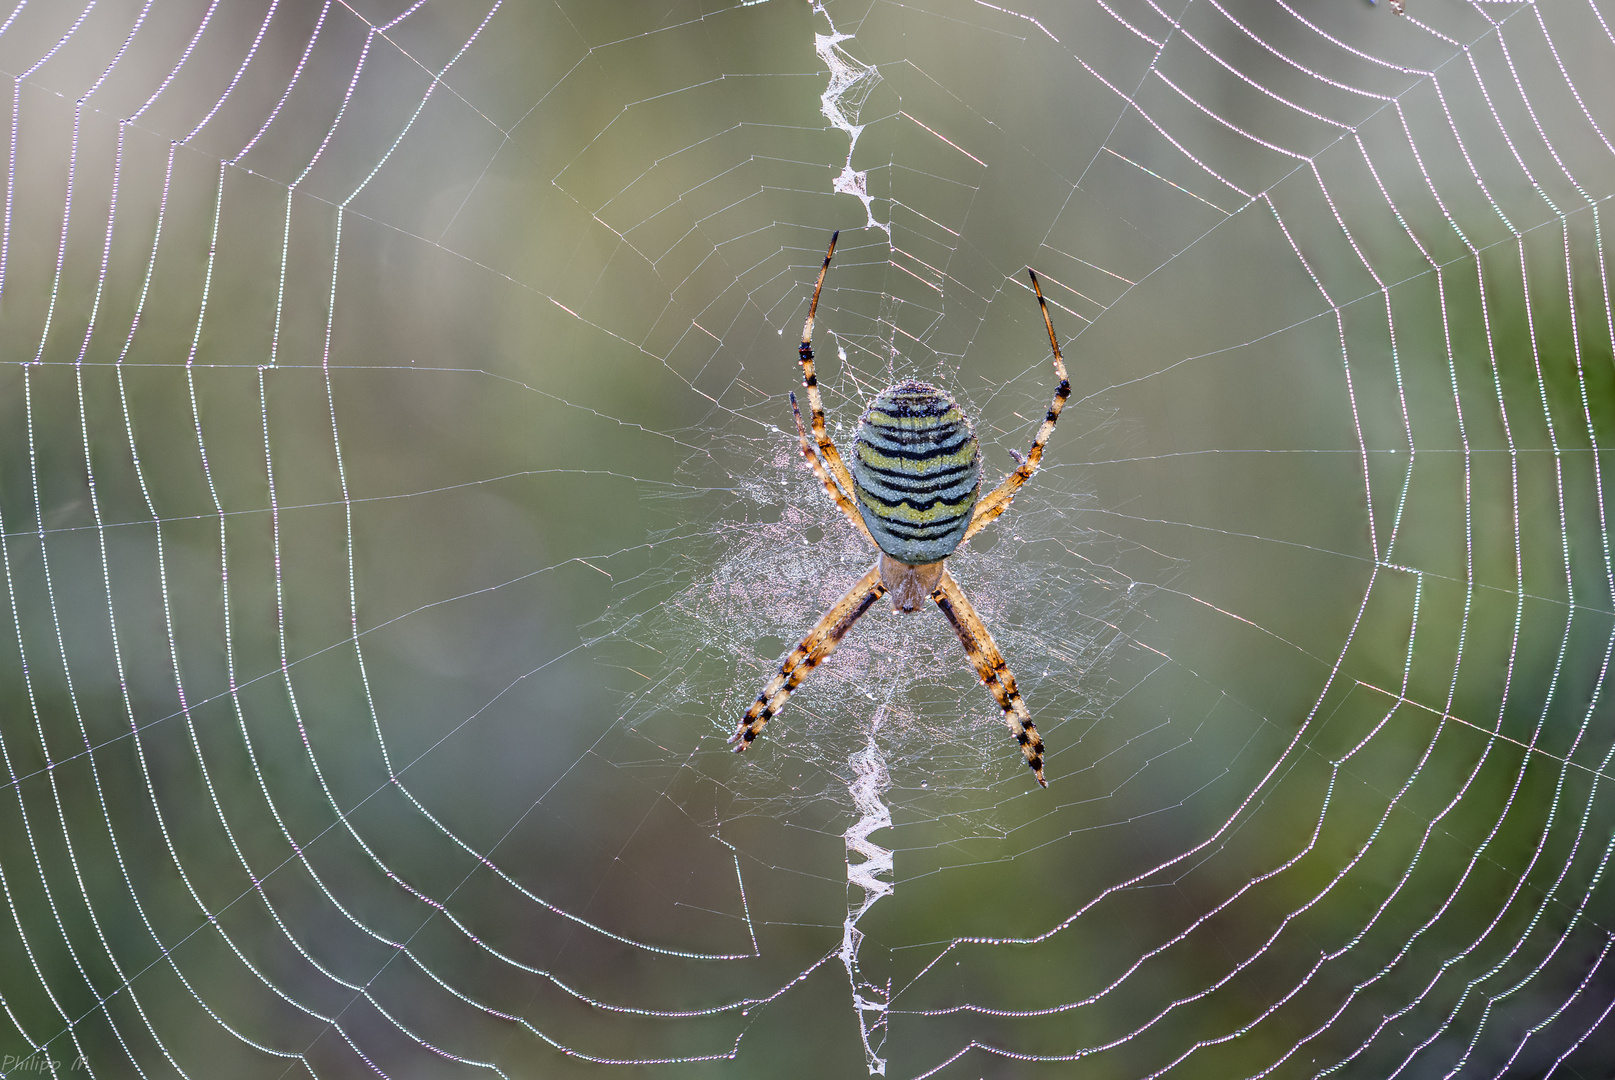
(400, 502)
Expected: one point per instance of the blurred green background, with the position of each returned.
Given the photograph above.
(400, 503)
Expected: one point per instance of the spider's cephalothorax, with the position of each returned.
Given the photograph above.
(912, 492)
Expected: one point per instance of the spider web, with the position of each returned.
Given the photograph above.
(399, 503)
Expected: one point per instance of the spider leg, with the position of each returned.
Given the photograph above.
(996, 501)
(810, 379)
(989, 664)
(819, 643)
(842, 499)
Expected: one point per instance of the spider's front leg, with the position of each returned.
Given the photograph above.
(990, 666)
(819, 643)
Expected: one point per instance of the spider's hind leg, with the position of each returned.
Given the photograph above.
(990, 666)
(842, 499)
(996, 501)
(819, 643)
(810, 380)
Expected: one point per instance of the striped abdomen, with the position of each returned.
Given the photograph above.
(916, 470)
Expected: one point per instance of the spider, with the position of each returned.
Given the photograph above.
(912, 492)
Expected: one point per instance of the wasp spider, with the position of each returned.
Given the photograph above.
(912, 492)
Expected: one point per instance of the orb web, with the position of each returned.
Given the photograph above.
(400, 503)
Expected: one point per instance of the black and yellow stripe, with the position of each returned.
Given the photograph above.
(916, 472)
